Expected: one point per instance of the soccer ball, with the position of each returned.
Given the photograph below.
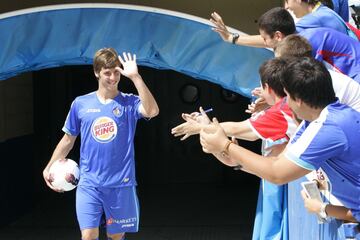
(64, 174)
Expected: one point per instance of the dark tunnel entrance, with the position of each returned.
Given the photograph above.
(180, 188)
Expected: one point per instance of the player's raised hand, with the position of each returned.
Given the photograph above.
(220, 27)
(128, 62)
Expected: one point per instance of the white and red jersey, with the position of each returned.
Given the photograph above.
(274, 125)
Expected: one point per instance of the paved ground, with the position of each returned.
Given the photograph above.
(176, 212)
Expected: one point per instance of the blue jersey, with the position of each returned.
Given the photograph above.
(337, 49)
(332, 143)
(341, 7)
(322, 17)
(107, 135)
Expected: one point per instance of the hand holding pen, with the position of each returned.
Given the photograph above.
(192, 125)
(200, 117)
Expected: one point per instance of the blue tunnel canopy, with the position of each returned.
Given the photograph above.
(58, 35)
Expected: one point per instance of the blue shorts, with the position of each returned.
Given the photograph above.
(120, 206)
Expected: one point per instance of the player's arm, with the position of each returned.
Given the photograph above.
(61, 151)
(339, 212)
(148, 107)
(227, 36)
(278, 170)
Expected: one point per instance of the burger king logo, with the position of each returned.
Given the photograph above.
(104, 129)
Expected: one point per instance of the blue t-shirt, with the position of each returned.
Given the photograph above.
(107, 134)
(332, 142)
(337, 49)
(341, 7)
(322, 17)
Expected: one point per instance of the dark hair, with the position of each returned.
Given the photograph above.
(308, 80)
(105, 58)
(271, 72)
(277, 19)
(294, 46)
(328, 3)
(311, 2)
(314, 2)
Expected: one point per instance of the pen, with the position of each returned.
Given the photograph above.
(206, 111)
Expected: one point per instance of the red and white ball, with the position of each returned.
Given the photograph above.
(64, 174)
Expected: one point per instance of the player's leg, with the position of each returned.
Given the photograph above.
(88, 211)
(122, 212)
(90, 234)
(118, 236)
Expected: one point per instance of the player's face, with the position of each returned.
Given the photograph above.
(268, 41)
(109, 78)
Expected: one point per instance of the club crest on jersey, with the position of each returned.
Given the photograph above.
(116, 111)
(104, 129)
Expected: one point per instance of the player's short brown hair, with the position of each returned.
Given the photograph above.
(105, 58)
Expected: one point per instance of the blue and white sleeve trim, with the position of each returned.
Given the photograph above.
(292, 157)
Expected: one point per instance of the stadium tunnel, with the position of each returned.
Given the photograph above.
(185, 65)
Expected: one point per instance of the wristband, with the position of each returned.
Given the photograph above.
(225, 152)
(322, 211)
(235, 37)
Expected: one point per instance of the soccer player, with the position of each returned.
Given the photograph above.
(106, 121)
(327, 138)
